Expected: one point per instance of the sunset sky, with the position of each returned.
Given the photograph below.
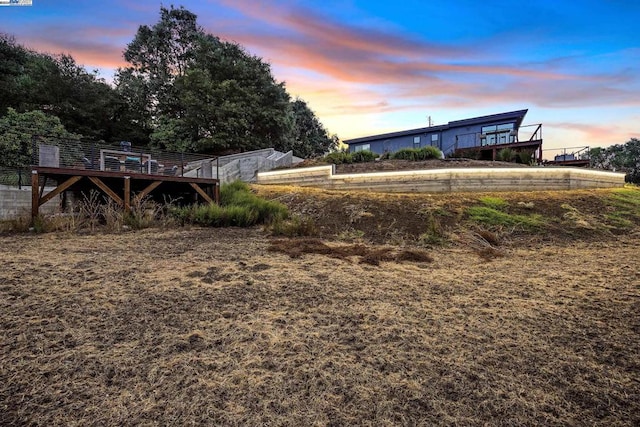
(368, 67)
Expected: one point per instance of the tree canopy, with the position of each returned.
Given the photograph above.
(18, 130)
(619, 157)
(56, 85)
(183, 89)
(199, 93)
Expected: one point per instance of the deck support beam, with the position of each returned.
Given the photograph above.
(146, 191)
(119, 187)
(101, 185)
(201, 192)
(127, 194)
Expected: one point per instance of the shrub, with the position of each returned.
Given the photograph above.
(506, 155)
(338, 158)
(405, 154)
(525, 157)
(414, 154)
(429, 152)
(633, 176)
(363, 156)
(239, 207)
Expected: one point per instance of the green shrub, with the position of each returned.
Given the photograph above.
(363, 156)
(338, 158)
(525, 157)
(405, 154)
(414, 154)
(228, 191)
(239, 207)
(506, 155)
(429, 152)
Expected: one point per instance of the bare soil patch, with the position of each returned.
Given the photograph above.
(391, 165)
(211, 327)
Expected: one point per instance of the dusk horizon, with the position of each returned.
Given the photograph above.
(369, 68)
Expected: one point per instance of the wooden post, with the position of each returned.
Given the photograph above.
(127, 194)
(216, 191)
(35, 195)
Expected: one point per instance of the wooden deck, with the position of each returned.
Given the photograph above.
(124, 188)
(490, 152)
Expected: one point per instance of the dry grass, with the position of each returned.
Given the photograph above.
(210, 327)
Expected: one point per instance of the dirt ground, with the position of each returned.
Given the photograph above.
(391, 165)
(232, 327)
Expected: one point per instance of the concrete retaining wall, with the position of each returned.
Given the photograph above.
(242, 166)
(16, 202)
(446, 180)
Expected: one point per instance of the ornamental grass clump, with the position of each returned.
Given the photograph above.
(239, 207)
(415, 154)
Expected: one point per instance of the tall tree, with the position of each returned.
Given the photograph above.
(56, 85)
(12, 60)
(309, 137)
(202, 93)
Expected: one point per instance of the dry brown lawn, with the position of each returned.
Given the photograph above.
(231, 327)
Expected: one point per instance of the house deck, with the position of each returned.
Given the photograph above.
(123, 187)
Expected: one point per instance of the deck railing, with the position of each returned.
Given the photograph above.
(120, 157)
(526, 133)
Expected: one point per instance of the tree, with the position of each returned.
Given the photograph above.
(309, 137)
(201, 93)
(56, 85)
(19, 131)
(619, 157)
(12, 60)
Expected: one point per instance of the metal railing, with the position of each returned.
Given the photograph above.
(567, 154)
(119, 158)
(122, 157)
(475, 139)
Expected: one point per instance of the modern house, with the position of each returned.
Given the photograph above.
(480, 137)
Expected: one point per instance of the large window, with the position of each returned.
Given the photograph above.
(416, 141)
(362, 147)
(497, 134)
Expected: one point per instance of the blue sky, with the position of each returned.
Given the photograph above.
(369, 67)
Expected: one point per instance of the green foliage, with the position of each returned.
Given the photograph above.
(20, 131)
(625, 158)
(203, 94)
(494, 217)
(239, 207)
(84, 103)
(416, 154)
(494, 202)
(228, 191)
(338, 157)
(525, 157)
(308, 138)
(342, 157)
(626, 202)
(363, 156)
(506, 155)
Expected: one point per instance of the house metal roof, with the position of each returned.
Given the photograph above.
(517, 115)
